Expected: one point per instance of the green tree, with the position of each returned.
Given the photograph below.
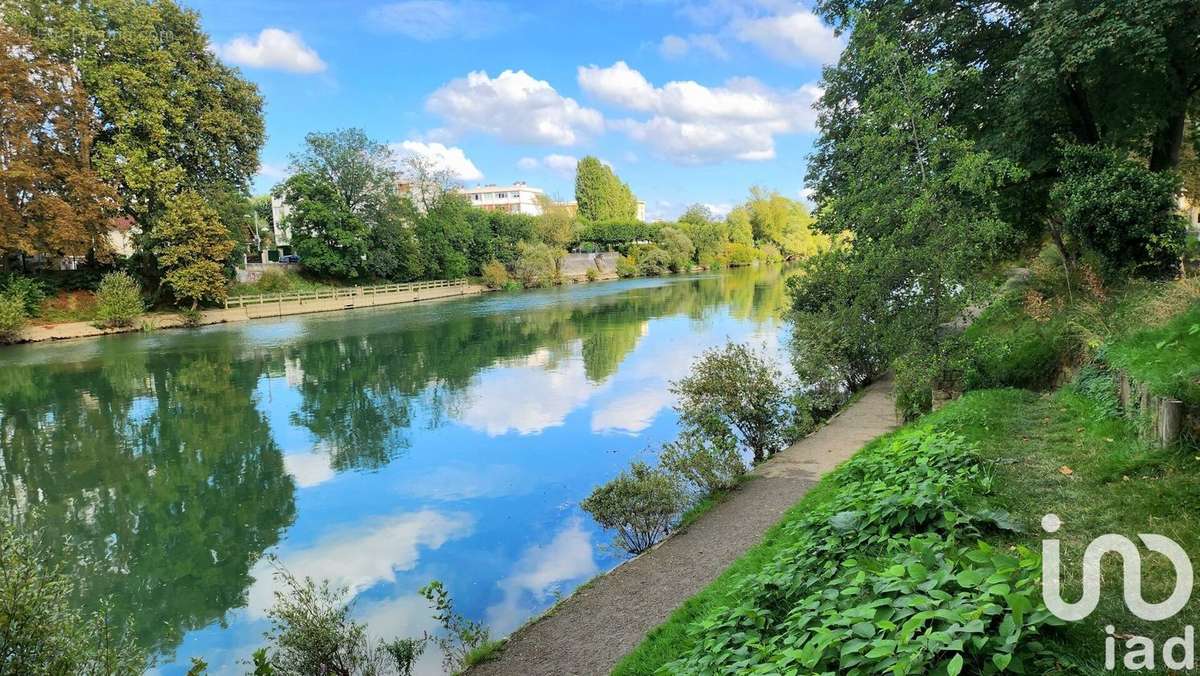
(172, 117)
(600, 195)
(394, 252)
(735, 393)
(641, 504)
(328, 237)
(537, 264)
(920, 203)
(741, 230)
(446, 237)
(708, 234)
(784, 222)
(193, 248)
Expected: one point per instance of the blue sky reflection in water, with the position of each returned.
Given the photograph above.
(380, 449)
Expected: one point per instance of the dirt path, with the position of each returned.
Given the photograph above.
(597, 626)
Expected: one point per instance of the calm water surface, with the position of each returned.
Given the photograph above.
(378, 448)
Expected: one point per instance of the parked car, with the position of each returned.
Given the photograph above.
(290, 258)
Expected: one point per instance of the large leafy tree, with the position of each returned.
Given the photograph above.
(1035, 76)
(600, 195)
(193, 248)
(53, 201)
(343, 185)
(920, 202)
(171, 116)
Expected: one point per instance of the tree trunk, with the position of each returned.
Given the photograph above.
(1168, 141)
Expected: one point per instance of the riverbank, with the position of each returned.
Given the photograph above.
(595, 627)
(169, 320)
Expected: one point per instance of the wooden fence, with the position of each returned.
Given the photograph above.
(349, 292)
(1162, 418)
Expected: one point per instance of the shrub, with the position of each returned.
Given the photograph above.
(118, 300)
(30, 292)
(627, 267)
(463, 640)
(735, 393)
(40, 630)
(710, 465)
(770, 254)
(12, 317)
(274, 281)
(312, 632)
(641, 504)
(191, 317)
(495, 275)
(1120, 209)
(652, 260)
(679, 248)
(592, 274)
(913, 387)
(537, 264)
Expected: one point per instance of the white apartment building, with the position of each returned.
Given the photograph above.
(279, 211)
(517, 198)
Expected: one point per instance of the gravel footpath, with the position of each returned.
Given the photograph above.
(595, 627)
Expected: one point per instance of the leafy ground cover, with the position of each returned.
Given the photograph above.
(1166, 358)
(1001, 457)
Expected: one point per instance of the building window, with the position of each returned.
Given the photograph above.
(475, 196)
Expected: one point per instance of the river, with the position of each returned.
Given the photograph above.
(378, 448)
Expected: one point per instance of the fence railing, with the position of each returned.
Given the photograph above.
(348, 292)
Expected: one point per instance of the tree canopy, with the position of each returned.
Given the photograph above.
(600, 195)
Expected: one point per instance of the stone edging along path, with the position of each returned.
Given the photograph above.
(589, 632)
(69, 330)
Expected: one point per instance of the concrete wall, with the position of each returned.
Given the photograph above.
(253, 271)
(577, 264)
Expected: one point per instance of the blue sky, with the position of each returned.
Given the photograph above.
(689, 100)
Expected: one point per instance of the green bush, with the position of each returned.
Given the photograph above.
(913, 387)
(495, 275)
(641, 504)
(29, 291)
(1005, 347)
(463, 642)
(652, 260)
(627, 267)
(1117, 207)
(679, 248)
(537, 264)
(274, 281)
(312, 632)
(738, 255)
(118, 300)
(709, 465)
(42, 633)
(12, 317)
(592, 274)
(735, 393)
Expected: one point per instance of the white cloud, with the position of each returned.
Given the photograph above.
(442, 157)
(564, 165)
(272, 172)
(308, 468)
(273, 49)
(693, 123)
(515, 107)
(527, 397)
(799, 37)
(430, 20)
(360, 557)
(632, 413)
(677, 47)
(541, 569)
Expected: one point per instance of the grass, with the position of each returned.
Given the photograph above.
(483, 653)
(708, 502)
(1112, 483)
(283, 282)
(1166, 358)
(67, 306)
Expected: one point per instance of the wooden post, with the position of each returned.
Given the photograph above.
(1170, 421)
(1143, 399)
(1124, 393)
